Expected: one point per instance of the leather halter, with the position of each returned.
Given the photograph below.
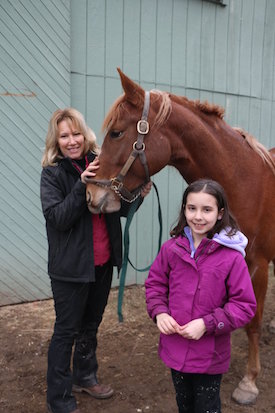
(116, 183)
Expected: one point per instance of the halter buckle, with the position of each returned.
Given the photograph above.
(115, 184)
(143, 127)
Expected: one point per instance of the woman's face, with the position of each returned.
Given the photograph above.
(70, 140)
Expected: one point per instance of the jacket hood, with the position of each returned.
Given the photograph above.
(237, 242)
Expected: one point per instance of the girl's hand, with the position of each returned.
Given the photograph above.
(193, 330)
(90, 171)
(146, 189)
(166, 324)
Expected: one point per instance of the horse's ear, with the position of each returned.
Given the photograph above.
(133, 92)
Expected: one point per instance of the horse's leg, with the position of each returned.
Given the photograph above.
(247, 391)
(272, 322)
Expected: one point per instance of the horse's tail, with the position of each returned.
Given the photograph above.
(258, 147)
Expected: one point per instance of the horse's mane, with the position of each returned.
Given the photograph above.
(205, 106)
(165, 110)
(165, 107)
(218, 111)
(210, 108)
(257, 147)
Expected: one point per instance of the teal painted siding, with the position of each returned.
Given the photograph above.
(196, 46)
(59, 53)
(34, 81)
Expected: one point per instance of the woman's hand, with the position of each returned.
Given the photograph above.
(90, 171)
(193, 330)
(166, 324)
(146, 189)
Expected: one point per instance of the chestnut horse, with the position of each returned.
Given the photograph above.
(193, 137)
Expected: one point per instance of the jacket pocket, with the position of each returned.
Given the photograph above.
(212, 288)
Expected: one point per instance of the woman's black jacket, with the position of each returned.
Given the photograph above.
(69, 224)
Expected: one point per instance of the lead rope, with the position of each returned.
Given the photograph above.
(126, 244)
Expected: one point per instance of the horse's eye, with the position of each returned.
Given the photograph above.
(115, 134)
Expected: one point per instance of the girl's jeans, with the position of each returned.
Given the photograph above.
(197, 393)
(79, 308)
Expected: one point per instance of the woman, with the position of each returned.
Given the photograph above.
(83, 248)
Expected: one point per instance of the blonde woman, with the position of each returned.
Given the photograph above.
(83, 248)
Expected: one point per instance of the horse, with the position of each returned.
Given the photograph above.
(145, 131)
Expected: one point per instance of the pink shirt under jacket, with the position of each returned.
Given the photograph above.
(214, 285)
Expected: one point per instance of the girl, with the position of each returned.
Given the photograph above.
(198, 291)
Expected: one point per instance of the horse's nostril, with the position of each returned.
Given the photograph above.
(88, 197)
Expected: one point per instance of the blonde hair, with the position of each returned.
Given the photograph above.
(75, 119)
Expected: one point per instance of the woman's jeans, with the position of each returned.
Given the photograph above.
(79, 309)
(197, 393)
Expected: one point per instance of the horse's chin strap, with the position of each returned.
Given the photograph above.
(116, 184)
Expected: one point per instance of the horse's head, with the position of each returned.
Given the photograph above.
(126, 158)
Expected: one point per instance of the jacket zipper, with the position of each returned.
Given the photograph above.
(189, 251)
(202, 251)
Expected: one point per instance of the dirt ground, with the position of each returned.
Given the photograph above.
(127, 358)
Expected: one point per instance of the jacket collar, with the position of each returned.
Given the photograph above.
(67, 164)
(237, 241)
(206, 246)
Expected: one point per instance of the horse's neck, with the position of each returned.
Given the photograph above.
(196, 147)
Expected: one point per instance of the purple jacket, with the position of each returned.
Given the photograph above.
(212, 283)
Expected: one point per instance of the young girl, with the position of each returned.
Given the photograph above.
(198, 291)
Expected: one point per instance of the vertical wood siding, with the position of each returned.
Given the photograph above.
(34, 81)
(194, 48)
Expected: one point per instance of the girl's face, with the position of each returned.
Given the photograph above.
(70, 140)
(201, 212)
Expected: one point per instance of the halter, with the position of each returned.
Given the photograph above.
(116, 183)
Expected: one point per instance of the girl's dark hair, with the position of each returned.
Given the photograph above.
(215, 189)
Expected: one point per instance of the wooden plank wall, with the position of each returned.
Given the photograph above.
(34, 81)
(196, 48)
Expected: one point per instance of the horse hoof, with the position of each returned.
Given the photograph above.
(246, 392)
